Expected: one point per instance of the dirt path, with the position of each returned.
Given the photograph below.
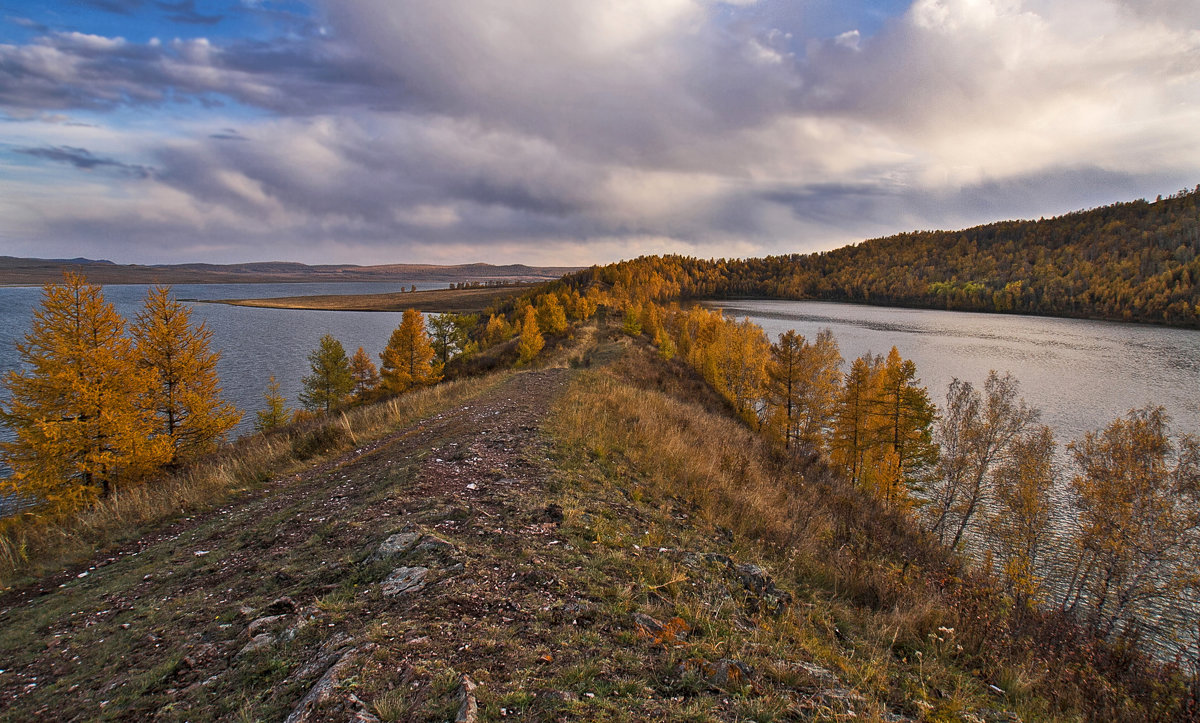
(247, 611)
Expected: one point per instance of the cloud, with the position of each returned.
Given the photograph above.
(83, 159)
(417, 126)
(120, 7)
(185, 12)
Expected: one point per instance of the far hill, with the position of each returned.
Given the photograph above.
(1134, 261)
(15, 270)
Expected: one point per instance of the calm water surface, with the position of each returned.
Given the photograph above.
(1081, 374)
(254, 343)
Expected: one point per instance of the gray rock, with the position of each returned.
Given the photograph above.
(396, 545)
(730, 673)
(404, 580)
(323, 690)
(840, 697)
(468, 709)
(754, 578)
(435, 545)
(725, 674)
(822, 676)
(260, 625)
(281, 606)
(258, 642)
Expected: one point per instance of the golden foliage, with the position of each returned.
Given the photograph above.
(80, 411)
(408, 359)
(186, 398)
(531, 338)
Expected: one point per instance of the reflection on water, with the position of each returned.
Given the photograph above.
(1082, 374)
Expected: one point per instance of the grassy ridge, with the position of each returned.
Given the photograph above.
(900, 622)
(30, 547)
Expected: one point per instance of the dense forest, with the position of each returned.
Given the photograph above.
(1136, 261)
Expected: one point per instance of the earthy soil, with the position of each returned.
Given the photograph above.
(160, 630)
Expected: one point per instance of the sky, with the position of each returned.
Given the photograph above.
(573, 132)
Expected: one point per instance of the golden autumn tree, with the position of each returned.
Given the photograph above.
(802, 385)
(408, 358)
(551, 317)
(531, 342)
(187, 398)
(734, 361)
(364, 374)
(276, 413)
(496, 331)
(902, 426)
(850, 443)
(78, 408)
(1137, 502)
(1019, 526)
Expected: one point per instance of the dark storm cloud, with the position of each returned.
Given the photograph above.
(83, 159)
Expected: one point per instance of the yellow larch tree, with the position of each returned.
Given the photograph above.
(408, 359)
(531, 342)
(187, 398)
(78, 408)
(551, 317)
(802, 384)
(850, 443)
(364, 374)
(902, 428)
(496, 331)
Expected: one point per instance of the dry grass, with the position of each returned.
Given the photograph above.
(889, 610)
(32, 545)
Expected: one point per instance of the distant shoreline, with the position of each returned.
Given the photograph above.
(459, 301)
(36, 272)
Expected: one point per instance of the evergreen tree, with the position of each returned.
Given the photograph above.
(364, 373)
(330, 382)
(275, 414)
(450, 335)
(79, 409)
(408, 359)
(632, 324)
(531, 338)
(187, 399)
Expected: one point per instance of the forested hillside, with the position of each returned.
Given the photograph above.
(1134, 261)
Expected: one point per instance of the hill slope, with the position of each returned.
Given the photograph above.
(15, 270)
(1135, 261)
(602, 541)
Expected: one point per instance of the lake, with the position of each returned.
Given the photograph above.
(254, 343)
(1081, 374)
